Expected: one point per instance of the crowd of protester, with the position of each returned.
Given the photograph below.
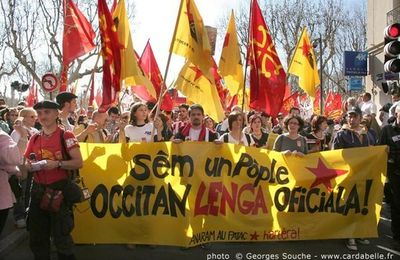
(289, 134)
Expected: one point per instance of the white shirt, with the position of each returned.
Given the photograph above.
(139, 133)
(368, 108)
(225, 125)
(194, 134)
(66, 124)
(232, 140)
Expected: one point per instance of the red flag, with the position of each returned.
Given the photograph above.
(78, 38)
(333, 106)
(176, 99)
(32, 97)
(99, 97)
(150, 67)
(267, 77)
(114, 5)
(91, 96)
(316, 104)
(140, 90)
(232, 102)
(287, 92)
(218, 84)
(288, 103)
(110, 50)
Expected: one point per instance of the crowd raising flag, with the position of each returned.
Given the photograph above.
(333, 106)
(131, 73)
(190, 39)
(221, 90)
(303, 65)
(149, 65)
(267, 77)
(91, 96)
(32, 97)
(110, 50)
(141, 90)
(289, 102)
(230, 63)
(78, 38)
(98, 98)
(198, 89)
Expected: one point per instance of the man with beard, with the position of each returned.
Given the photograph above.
(195, 130)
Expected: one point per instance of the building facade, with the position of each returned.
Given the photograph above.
(380, 13)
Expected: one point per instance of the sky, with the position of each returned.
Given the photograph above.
(155, 20)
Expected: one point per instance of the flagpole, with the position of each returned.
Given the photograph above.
(91, 79)
(247, 56)
(163, 85)
(321, 100)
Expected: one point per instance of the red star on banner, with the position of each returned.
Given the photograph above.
(306, 48)
(198, 72)
(324, 174)
(254, 236)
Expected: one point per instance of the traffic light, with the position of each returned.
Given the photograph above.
(392, 48)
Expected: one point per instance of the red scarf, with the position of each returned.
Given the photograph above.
(186, 129)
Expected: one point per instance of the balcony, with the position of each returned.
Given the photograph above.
(393, 16)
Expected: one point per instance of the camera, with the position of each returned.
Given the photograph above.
(391, 87)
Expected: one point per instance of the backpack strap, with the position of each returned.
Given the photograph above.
(64, 151)
(73, 173)
(248, 138)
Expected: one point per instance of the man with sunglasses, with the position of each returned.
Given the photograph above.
(46, 156)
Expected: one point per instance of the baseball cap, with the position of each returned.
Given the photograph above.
(354, 110)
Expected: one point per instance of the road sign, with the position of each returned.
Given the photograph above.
(49, 82)
(355, 63)
(355, 84)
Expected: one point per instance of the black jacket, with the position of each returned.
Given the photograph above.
(390, 136)
(347, 138)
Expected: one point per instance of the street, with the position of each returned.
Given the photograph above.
(380, 248)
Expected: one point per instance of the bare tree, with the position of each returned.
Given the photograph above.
(339, 28)
(31, 38)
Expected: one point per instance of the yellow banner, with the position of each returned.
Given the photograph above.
(193, 193)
